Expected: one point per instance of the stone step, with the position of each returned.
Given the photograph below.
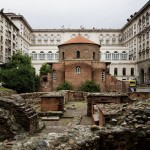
(30, 113)
(52, 118)
(32, 116)
(51, 113)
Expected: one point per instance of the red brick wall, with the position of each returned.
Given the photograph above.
(77, 79)
(86, 51)
(49, 104)
(59, 68)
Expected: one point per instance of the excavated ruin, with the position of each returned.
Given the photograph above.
(128, 129)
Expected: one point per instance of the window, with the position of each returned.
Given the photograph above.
(124, 71)
(34, 55)
(42, 55)
(108, 55)
(132, 71)
(143, 37)
(147, 35)
(147, 19)
(93, 55)
(56, 55)
(78, 54)
(54, 76)
(123, 56)
(115, 71)
(78, 70)
(115, 56)
(63, 55)
(103, 75)
(50, 55)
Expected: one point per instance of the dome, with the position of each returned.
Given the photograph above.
(79, 40)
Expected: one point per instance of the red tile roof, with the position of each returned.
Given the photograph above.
(79, 39)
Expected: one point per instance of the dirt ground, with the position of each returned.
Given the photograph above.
(72, 109)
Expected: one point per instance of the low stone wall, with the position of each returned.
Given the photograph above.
(139, 95)
(102, 98)
(6, 93)
(33, 98)
(77, 96)
(52, 103)
(23, 114)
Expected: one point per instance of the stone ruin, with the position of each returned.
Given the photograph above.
(16, 117)
(128, 129)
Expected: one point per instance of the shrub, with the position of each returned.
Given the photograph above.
(89, 86)
(64, 86)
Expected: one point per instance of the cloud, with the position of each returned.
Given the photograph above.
(73, 13)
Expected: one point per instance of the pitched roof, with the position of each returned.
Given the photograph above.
(79, 39)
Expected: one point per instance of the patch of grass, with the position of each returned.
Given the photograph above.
(3, 89)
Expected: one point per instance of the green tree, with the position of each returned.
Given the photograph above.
(64, 86)
(19, 74)
(45, 69)
(19, 59)
(89, 86)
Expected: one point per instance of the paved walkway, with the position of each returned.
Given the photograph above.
(72, 109)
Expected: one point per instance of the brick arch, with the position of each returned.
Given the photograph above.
(23, 114)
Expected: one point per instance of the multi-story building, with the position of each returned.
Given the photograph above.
(135, 34)
(8, 38)
(25, 31)
(127, 48)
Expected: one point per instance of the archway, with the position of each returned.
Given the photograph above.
(142, 76)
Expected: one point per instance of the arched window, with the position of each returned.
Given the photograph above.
(34, 55)
(115, 71)
(50, 55)
(42, 55)
(93, 55)
(108, 55)
(78, 70)
(57, 55)
(132, 71)
(78, 54)
(124, 71)
(63, 55)
(123, 56)
(54, 76)
(115, 56)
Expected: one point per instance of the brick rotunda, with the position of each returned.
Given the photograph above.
(79, 60)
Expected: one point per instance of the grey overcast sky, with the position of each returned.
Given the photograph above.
(50, 14)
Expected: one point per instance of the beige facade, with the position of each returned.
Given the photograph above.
(126, 48)
(8, 38)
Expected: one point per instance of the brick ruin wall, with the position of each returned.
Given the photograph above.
(23, 114)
